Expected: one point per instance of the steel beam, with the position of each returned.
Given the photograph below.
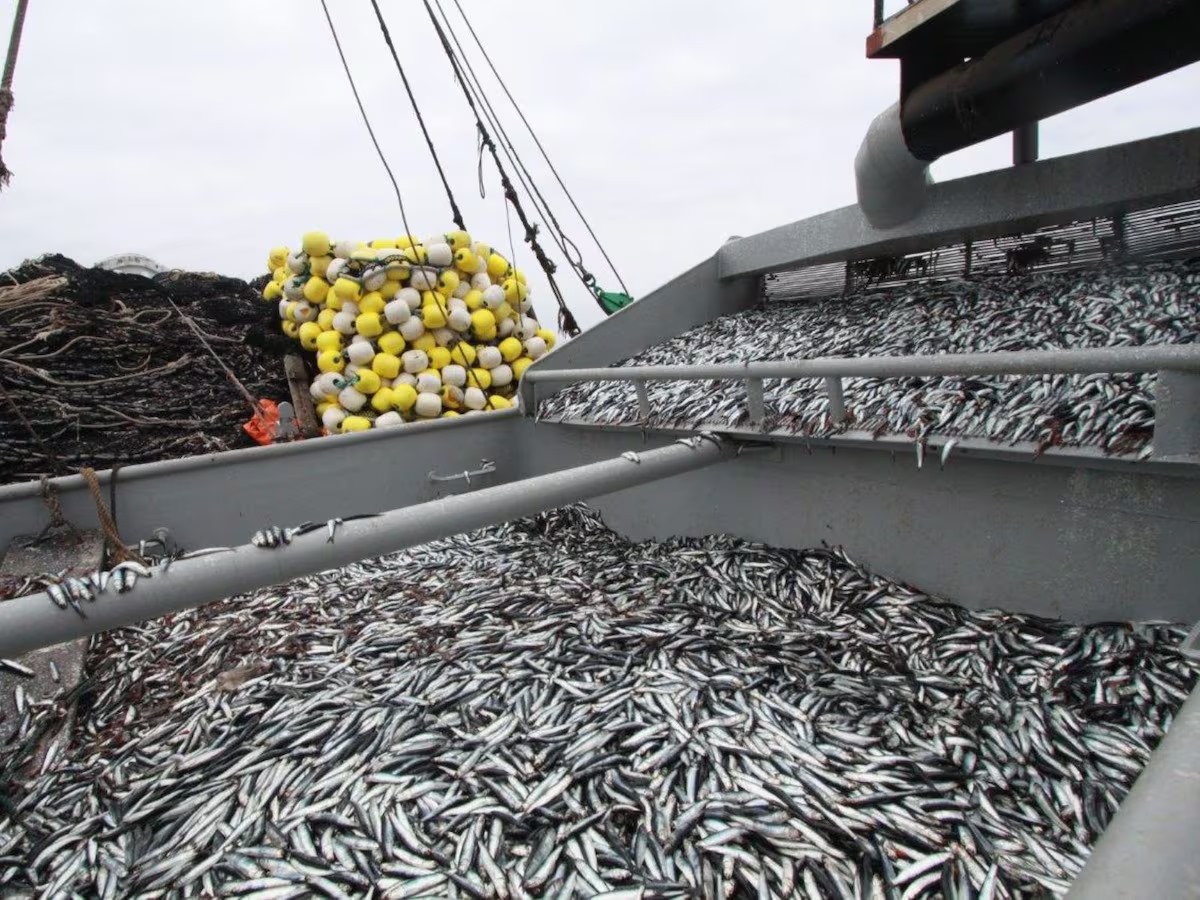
(1152, 358)
(1122, 178)
(1087, 51)
(1028, 453)
(32, 622)
(222, 498)
(1177, 416)
(1149, 848)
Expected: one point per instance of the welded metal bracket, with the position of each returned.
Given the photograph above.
(837, 400)
(1191, 643)
(643, 400)
(486, 467)
(755, 405)
(1177, 415)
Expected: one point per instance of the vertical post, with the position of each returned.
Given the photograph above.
(1118, 227)
(878, 13)
(837, 400)
(1025, 144)
(643, 400)
(754, 402)
(297, 379)
(1177, 415)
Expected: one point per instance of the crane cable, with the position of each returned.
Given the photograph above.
(538, 143)
(609, 302)
(363, 112)
(540, 206)
(566, 319)
(456, 215)
(6, 94)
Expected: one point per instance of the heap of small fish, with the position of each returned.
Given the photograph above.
(1128, 305)
(547, 709)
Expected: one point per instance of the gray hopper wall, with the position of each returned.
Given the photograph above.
(1083, 544)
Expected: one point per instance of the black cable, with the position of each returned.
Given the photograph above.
(387, 36)
(566, 319)
(540, 206)
(366, 121)
(538, 143)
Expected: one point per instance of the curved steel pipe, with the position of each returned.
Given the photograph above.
(32, 622)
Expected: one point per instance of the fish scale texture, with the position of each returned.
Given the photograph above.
(547, 709)
(1128, 305)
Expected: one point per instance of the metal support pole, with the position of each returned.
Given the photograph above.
(1150, 358)
(1149, 848)
(837, 400)
(643, 400)
(755, 405)
(1025, 144)
(31, 622)
(1177, 416)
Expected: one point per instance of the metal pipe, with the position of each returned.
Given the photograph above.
(1180, 357)
(1149, 848)
(1086, 52)
(32, 622)
(1025, 144)
(891, 182)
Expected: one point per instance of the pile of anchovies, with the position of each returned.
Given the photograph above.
(546, 709)
(1115, 306)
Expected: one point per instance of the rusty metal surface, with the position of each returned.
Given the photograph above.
(958, 28)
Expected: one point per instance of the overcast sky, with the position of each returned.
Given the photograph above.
(202, 134)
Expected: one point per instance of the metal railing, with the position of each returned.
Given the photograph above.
(1106, 360)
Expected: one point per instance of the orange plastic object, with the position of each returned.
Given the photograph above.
(264, 424)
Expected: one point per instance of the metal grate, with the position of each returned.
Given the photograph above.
(1162, 232)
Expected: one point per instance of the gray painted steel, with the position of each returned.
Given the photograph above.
(1024, 452)
(32, 622)
(221, 499)
(1177, 415)
(1084, 544)
(1184, 357)
(891, 183)
(1150, 847)
(695, 297)
(1129, 176)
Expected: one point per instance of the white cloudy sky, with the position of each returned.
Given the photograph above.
(202, 134)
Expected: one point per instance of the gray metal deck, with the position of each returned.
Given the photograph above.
(1074, 535)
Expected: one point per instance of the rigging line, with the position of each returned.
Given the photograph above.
(566, 322)
(538, 143)
(363, 111)
(387, 36)
(510, 192)
(540, 203)
(10, 67)
(540, 206)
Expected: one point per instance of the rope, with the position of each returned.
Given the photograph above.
(540, 205)
(51, 457)
(366, 121)
(187, 320)
(537, 142)
(566, 319)
(6, 94)
(387, 36)
(57, 519)
(112, 538)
